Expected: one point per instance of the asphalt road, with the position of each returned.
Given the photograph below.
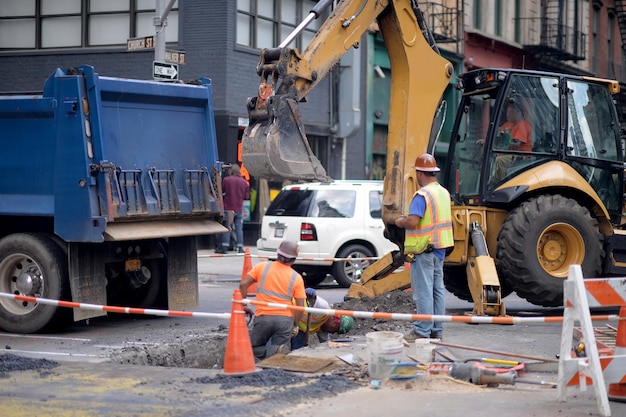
(85, 385)
(96, 339)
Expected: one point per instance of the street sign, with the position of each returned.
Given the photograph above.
(137, 44)
(175, 57)
(164, 70)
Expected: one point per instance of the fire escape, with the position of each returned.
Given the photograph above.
(445, 23)
(550, 39)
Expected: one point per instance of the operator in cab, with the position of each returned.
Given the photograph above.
(515, 134)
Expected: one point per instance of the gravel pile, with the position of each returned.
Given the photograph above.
(11, 363)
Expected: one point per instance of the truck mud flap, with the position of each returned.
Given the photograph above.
(276, 146)
(156, 229)
(182, 273)
(87, 278)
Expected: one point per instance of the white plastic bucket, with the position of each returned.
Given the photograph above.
(424, 350)
(385, 350)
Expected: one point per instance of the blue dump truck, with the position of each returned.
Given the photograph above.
(105, 185)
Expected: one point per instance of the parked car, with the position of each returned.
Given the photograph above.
(334, 220)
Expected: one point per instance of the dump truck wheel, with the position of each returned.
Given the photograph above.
(33, 265)
(348, 272)
(538, 242)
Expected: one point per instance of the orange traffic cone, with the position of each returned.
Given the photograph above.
(239, 358)
(617, 392)
(247, 266)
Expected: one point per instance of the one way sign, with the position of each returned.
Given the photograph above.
(164, 71)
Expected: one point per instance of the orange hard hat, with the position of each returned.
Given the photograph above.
(426, 162)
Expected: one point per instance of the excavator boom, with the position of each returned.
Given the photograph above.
(275, 145)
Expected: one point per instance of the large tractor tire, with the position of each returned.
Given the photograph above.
(33, 265)
(538, 242)
(455, 281)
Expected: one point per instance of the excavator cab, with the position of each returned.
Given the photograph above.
(511, 121)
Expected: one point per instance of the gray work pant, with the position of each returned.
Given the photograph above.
(268, 333)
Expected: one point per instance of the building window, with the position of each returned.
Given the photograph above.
(595, 24)
(498, 19)
(478, 21)
(44, 24)
(266, 23)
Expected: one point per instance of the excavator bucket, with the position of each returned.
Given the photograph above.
(275, 146)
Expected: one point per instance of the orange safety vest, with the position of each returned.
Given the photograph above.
(435, 227)
(276, 283)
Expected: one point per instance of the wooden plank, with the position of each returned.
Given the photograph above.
(296, 363)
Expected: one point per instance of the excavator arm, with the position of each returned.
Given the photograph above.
(275, 144)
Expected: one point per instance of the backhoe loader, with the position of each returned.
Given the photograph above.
(554, 200)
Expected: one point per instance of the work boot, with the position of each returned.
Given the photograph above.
(436, 335)
(412, 336)
(284, 349)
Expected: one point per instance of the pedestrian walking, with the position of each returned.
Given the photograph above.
(235, 190)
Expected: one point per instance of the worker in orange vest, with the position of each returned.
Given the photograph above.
(276, 282)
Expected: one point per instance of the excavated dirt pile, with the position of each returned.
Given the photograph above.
(399, 301)
(207, 351)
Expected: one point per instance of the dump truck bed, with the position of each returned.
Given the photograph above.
(111, 158)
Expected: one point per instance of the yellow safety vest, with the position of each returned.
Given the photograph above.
(317, 320)
(435, 227)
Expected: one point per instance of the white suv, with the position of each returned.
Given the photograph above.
(340, 219)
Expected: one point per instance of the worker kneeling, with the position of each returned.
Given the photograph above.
(277, 283)
(318, 323)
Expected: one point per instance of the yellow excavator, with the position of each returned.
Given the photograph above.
(554, 199)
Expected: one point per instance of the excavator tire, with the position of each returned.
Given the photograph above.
(538, 242)
(455, 281)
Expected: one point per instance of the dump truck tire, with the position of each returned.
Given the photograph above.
(538, 242)
(33, 265)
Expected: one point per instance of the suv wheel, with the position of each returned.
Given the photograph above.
(312, 276)
(348, 271)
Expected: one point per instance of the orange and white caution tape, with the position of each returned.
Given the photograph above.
(114, 309)
(413, 317)
(356, 314)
